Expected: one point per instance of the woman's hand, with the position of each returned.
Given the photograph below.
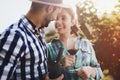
(86, 72)
(68, 60)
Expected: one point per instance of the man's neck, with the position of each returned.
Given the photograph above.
(36, 18)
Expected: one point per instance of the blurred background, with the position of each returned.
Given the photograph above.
(99, 21)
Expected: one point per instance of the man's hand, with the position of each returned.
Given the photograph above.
(86, 72)
(60, 77)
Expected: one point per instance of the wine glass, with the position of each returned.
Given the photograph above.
(72, 52)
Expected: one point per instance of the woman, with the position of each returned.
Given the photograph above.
(83, 64)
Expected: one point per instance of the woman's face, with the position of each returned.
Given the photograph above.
(63, 23)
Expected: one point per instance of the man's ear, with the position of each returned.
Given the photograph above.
(49, 9)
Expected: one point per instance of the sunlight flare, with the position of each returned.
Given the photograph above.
(101, 5)
(105, 5)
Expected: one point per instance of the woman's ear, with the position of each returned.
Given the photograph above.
(49, 9)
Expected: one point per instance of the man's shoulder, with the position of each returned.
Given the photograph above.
(14, 29)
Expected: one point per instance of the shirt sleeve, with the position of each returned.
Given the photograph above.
(11, 48)
(94, 63)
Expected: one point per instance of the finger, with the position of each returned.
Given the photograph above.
(69, 63)
(79, 71)
(84, 75)
(60, 77)
(71, 56)
(47, 77)
(71, 60)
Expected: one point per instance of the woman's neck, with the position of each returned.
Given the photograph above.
(64, 39)
(68, 41)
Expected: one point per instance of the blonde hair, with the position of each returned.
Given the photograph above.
(74, 28)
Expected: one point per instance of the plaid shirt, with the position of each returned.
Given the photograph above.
(22, 52)
(85, 56)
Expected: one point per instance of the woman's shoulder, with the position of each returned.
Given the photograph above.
(54, 43)
(83, 44)
(55, 40)
(83, 40)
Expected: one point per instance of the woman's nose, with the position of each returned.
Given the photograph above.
(58, 21)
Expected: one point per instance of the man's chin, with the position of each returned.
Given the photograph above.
(45, 25)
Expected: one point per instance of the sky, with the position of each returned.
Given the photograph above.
(12, 10)
(104, 5)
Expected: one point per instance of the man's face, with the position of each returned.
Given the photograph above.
(51, 16)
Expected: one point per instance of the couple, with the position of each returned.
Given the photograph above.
(23, 50)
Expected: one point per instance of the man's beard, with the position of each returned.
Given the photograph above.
(45, 23)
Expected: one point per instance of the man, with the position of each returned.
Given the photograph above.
(23, 51)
